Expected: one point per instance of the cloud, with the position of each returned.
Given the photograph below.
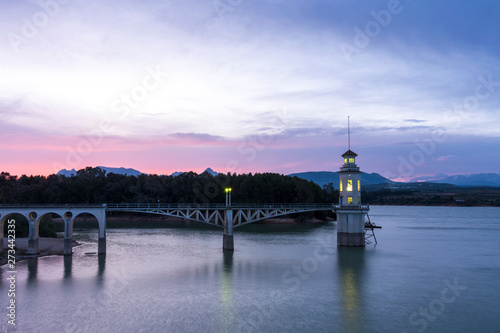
(444, 158)
(269, 70)
(415, 120)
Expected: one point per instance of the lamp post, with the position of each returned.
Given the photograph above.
(228, 239)
(228, 196)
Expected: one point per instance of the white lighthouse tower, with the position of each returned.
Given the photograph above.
(350, 212)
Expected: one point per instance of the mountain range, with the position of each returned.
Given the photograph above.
(479, 179)
(324, 177)
(124, 171)
(119, 171)
(209, 170)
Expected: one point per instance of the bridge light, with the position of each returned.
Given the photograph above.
(228, 196)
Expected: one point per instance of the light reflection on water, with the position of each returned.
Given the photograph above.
(351, 270)
(279, 279)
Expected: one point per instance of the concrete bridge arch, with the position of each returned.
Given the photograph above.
(68, 213)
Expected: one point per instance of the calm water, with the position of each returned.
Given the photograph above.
(435, 269)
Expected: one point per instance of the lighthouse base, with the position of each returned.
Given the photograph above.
(351, 226)
(351, 239)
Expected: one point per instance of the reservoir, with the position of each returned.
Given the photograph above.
(435, 269)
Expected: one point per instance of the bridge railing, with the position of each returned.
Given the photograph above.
(140, 206)
(123, 206)
(68, 206)
(131, 206)
(351, 207)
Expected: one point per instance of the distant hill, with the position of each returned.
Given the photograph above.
(324, 177)
(126, 172)
(67, 173)
(212, 172)
(119, 171)
(479, 179)
(209, 170)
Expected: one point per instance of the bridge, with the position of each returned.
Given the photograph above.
(35, 213)
(215, 213)
(225, 216)
(352, 225)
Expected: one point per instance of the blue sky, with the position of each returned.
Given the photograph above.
(250, 86)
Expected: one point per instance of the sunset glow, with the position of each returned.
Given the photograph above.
(266, 86)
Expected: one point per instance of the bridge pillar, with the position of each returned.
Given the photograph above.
(33, 234)
(68, 246)
(68, 235)
(2, 221)
(33, 246)
(227, 238)
(101, 248)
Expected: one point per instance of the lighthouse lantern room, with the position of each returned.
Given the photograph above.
(350, 181)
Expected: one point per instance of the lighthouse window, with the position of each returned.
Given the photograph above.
(349, 185)
(359, 200)
(345, 160)
(341, 186)
(359, 185)
(351, 159)
(349, 200)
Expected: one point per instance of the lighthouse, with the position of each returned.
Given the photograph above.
(350, 212)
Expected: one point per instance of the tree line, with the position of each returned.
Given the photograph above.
(94, 186)
(465, 197)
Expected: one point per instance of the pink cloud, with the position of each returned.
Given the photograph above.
(33, 153)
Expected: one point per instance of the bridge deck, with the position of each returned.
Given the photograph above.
(126, 206)
(217, 214)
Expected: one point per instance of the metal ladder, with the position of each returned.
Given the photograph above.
(370, 230)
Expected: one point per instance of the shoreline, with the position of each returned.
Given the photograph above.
(46, 247)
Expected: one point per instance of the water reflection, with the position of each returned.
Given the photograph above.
(227, 313)
(68, 268)
(68, 264)
(101, 265)
(32, 271)
(351, 263)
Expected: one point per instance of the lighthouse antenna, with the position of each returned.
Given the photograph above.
(348, 133)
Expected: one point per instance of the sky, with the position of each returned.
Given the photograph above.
(250, 85)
